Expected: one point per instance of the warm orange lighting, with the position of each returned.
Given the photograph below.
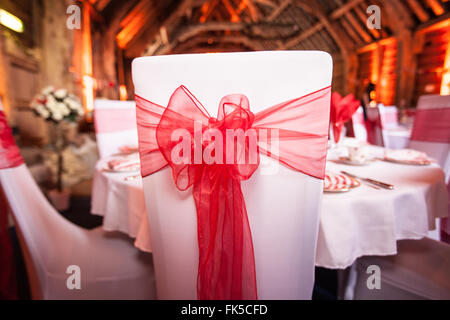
(374, 67)
(11, 21)
(445, 85)
(88, 93)
(86, 66)
(373, 95)
(123, 92)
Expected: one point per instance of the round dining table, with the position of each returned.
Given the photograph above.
(361, 222)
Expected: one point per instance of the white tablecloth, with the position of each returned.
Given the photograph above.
(122, 204)
(363, 221)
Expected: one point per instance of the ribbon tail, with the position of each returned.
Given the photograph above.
(8, 289)
(226, 258)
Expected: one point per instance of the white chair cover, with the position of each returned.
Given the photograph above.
(111, 267)
(389, 116)
(283, 208)
(115, 125)
(438, 151)
(359, 127)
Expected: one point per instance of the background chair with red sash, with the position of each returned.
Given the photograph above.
(115, 125)
(110, 266)
(282, 204)
(431, 134)
(420, 268)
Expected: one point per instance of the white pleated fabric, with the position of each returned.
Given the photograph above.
(111, 267)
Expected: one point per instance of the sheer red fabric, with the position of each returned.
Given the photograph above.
(9, 157)
(432, 125)
(342, 110)
(293, 132)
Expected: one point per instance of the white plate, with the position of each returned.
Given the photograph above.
(348, 161)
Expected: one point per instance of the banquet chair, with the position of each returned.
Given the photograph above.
(423, 138)
(420, 270)
(389, 116)
(359, 127)
(375, 130)
(282, 207)
(110, 267)
(115, 125)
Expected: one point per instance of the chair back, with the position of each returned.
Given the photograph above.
(424, 136)
(359, 126)
(283, 207)
(115, 125)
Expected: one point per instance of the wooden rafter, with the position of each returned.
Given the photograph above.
(418, 10)
(344, 8)
(267, 3)
(436, 6)
(278, 10)
(357, 26)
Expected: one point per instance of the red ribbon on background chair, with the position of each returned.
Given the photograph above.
(342, 110)
(226, 260)
(9, 157)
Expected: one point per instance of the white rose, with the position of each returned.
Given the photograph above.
(51, 101)
(61, 93)
(62, 108)
(57, 116)
(48, 90)
(42, 110)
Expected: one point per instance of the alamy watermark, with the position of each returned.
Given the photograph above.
(374, 279)
(73, 21)
(73, 281)
(374, 19)
(232, 146)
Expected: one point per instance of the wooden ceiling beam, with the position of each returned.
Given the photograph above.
(234, 16)
(357, 26)
(102, 4)
(344, 8)
(302, 36)
(267, 3)
(436, 6)
(418, 10)
(278, 10)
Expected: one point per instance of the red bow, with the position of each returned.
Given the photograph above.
(9, 157)
(226, 260)
(342, 110)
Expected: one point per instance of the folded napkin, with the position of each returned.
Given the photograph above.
(127, 149)
(342, 110)
(124, 164)
(338, 181)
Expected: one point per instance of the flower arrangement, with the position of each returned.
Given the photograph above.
(59, 108)
(57, 105)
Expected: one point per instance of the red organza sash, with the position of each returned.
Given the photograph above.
(113, 120)
(9, 157)
(297, 137)
(432, 125)
(342, 110)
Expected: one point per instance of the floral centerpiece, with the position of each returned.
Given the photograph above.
(59, 108)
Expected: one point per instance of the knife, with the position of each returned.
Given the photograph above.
(375, 182)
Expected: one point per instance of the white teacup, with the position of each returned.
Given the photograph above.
(357, 154)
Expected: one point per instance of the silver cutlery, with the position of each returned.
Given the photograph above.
(371, 181)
